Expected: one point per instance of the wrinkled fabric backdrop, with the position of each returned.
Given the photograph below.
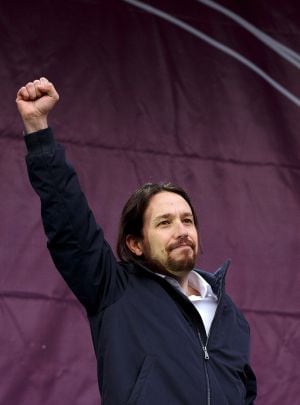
(194, 96)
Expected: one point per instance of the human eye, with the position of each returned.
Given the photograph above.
(164, 223)
(188, 220)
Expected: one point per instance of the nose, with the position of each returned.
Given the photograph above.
(180, 230)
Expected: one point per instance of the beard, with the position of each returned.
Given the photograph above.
(175, 266)
(183, 265)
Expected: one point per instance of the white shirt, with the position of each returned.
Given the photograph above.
(205, 302)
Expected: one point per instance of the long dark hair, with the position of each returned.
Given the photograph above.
(132, 217)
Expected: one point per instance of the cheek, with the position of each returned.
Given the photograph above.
(157, 242)
(196, 238)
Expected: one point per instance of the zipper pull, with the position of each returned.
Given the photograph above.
(206, 355)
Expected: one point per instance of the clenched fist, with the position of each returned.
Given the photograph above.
(34, 101)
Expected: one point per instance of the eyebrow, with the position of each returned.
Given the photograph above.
(168, 216)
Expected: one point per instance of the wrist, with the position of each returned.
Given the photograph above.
(36, 124)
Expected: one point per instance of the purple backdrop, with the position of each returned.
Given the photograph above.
(143, 99)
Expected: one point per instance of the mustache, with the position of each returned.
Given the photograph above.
(182, 241)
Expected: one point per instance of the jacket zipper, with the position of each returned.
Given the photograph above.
(206, 358)
(206, 354)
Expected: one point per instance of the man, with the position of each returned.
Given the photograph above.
(163, 332)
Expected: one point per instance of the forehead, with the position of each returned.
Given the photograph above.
(166, 202)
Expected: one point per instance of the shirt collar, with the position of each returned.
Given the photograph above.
(195, 280)
(198, 283)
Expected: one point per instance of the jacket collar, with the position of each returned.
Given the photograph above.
(216, 279)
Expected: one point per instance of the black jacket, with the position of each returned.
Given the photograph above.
(149, 340)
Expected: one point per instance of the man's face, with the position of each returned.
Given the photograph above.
(170, 239)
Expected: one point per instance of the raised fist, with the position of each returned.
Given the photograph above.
(34, 101)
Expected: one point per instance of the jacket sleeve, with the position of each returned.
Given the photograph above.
(76, 243)
(251, 389)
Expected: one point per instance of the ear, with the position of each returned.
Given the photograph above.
(134, 244)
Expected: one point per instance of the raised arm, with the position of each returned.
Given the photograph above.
(76, 243)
